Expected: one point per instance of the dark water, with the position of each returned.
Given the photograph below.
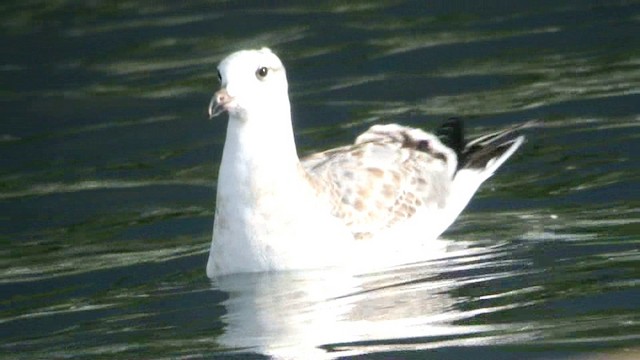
(108, 168)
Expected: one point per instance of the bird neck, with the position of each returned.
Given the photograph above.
(259, 152)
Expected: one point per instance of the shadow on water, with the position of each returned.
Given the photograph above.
(108, 172)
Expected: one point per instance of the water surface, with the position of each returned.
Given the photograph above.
(108, 170)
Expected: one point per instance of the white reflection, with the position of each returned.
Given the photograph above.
(319, 314)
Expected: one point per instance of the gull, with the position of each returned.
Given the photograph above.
(394, 184)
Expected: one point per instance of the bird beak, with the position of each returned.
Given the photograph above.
(219, 103)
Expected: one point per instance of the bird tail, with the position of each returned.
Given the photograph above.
(478, 159)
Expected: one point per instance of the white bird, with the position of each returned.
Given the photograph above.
(277, 212)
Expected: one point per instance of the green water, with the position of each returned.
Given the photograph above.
(108, 169)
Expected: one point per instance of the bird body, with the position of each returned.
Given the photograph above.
(276, 212)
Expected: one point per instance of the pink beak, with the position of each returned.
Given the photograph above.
(219, 103)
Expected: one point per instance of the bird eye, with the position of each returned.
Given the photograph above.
(262, 72)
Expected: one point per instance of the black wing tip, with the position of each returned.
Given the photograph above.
(451, 134)
(479, 158)
(478, 152)
(481, 151)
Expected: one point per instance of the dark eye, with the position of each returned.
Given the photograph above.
(219, 76)
(262, 72)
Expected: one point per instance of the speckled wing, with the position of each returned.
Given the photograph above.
(385, 177)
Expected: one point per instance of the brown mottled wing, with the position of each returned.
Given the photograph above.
(379, 181)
